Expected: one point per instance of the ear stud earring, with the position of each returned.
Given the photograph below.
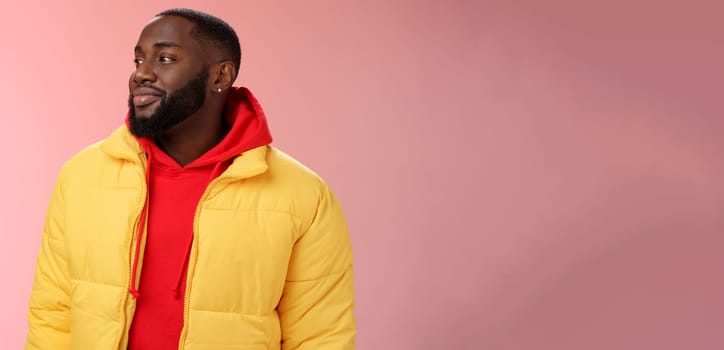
(218, 89)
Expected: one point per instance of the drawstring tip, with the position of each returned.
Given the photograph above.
(135, 293)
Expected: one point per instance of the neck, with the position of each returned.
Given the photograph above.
(193, 137)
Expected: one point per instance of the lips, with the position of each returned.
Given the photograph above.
(144, 100)
(144, 96)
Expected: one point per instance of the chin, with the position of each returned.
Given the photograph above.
(143, 113)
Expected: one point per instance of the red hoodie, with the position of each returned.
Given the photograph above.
(174, 193)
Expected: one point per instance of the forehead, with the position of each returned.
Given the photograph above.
(168, 29)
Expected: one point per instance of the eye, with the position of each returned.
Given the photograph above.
(137, 61)
(166, 59)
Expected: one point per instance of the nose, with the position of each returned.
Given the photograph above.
(143, 73)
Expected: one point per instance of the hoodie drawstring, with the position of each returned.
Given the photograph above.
(177, 287)
(139, 235)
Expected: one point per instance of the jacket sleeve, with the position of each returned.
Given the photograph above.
(316, 308)
(49, 314)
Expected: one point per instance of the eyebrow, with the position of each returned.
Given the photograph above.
(159, 45)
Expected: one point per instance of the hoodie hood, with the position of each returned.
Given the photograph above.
(249, 129)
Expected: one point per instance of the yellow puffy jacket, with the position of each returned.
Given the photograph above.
(270, 266)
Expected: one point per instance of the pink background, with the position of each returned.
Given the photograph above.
(516, 174)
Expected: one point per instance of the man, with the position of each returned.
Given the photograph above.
(185, 229)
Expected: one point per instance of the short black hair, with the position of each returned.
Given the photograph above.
(211, 30)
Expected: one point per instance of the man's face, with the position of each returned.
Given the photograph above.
(170, 80)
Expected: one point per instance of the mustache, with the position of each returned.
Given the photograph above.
(146, 86)
(162, 92)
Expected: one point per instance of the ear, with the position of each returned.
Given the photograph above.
(223, 75)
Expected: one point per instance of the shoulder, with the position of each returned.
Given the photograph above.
(94, 160)
(87, 156)
(83, 162)
(288, 185)
(286, 168)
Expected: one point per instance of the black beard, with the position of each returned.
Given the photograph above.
(173, 109)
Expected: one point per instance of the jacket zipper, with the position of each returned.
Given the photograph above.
(190, 269)
(130, 266)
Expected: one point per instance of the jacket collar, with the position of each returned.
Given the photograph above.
(122, 145)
